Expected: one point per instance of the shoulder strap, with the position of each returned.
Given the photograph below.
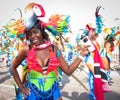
(52, 47)
(58, 53)
(47, 62)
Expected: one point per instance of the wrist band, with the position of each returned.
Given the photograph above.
(81, 57)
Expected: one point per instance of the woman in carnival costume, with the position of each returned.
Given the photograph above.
(43, 60)
(106, 54)
(90, 61)
(97, 77)
(108, 48)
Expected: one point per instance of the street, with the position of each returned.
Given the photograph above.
(71, 88)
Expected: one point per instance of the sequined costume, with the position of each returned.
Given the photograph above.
(43, 80)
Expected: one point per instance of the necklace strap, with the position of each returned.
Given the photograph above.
(43, 46)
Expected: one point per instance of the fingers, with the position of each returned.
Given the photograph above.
(25, 91)
(84, 50)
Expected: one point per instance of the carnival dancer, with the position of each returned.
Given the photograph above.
(112, 35)
(95, 64)
(90, 60)
(98, 82)
(43, 60)
(106, 55)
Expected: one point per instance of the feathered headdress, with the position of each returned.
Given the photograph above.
(15, 28)
(36, 8)
(111, 33)
(58, 25)
(19, 26)
(99, 20)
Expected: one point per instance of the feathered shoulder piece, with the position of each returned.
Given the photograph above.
(15, 27)
(58, 24)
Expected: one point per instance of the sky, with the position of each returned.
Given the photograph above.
(81, 12)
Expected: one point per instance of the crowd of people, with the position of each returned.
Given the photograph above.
(39, 61)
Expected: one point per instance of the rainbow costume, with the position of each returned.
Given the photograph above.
(43, 81)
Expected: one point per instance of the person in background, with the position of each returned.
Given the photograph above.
(89, 61)
(106, 55)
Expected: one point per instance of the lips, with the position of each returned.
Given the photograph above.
(34, 41)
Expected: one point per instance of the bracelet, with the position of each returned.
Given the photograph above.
(81, 57)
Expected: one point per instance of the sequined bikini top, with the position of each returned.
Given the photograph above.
(53, 61)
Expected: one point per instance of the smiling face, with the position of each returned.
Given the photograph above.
(35, 36)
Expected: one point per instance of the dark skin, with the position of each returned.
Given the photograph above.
(42, 56)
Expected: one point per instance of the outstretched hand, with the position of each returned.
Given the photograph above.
(84, 50)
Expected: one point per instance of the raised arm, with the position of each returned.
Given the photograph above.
(69, 69)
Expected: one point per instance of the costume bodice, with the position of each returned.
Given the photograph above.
(34, 65)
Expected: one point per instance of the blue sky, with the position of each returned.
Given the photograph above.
(81, 11)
